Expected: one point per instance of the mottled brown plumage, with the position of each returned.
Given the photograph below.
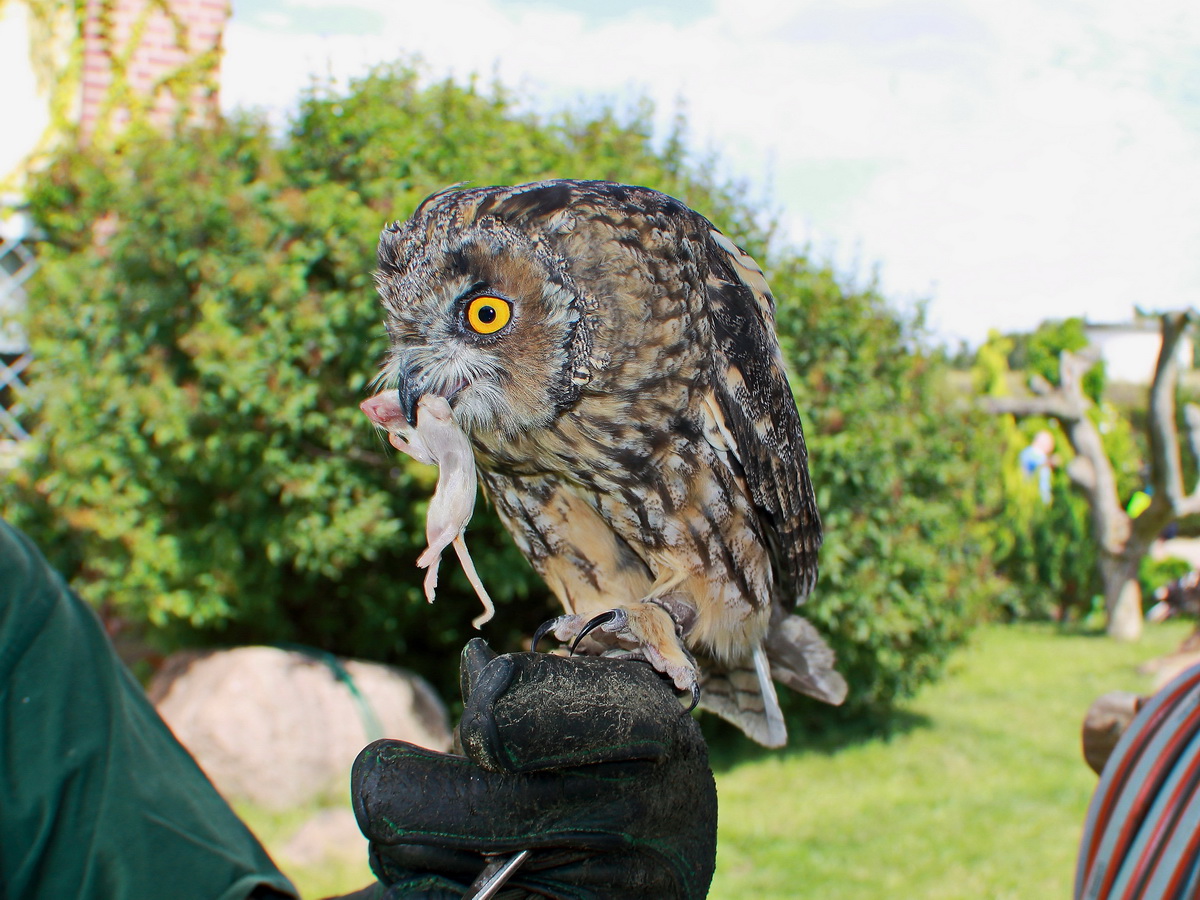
(631, 421)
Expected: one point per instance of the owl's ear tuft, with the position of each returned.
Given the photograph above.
(434, 198)
(388, 254)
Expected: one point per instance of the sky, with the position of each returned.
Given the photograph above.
(1004, 162)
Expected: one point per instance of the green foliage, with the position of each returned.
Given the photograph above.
(1125, 445)
(900, 463)
(1037, 353)
(1045, 550)
(205, 325)
(990, 366)
(202, 343)
(391, 143)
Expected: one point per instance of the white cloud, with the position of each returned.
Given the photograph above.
(1013, 161)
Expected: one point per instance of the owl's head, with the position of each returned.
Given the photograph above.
(480, 310)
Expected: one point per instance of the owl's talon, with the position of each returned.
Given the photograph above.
(542, 630)
(695, 696)
(603, 619)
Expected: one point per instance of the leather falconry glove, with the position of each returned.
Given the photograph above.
(591, 764)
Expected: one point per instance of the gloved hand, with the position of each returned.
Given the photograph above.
(590, 763)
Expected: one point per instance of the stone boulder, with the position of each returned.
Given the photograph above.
(281, 728)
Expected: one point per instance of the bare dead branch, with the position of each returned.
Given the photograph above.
(1166, 467)
(1110, 523)
(1040, 385)
(1191, 418)
(1071, 369)
(1082, 473)
(1054, 406)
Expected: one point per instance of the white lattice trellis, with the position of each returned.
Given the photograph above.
(17, 265)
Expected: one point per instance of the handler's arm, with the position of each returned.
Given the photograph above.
(97, 798)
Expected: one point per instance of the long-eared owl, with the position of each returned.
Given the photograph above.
(612, 358)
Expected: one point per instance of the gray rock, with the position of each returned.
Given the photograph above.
(279, 728)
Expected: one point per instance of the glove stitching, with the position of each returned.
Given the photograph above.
(400, 753)
(473, 841)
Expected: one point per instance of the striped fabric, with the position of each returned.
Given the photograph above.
(1141, 840)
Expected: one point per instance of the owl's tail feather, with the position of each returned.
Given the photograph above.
(794, 654)
(776, 728)
(802, 660)
(745, 696)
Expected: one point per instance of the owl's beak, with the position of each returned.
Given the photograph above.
(412, 386)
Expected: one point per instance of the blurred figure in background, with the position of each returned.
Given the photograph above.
(1037, 459)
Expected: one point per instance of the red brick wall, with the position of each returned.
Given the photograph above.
(162, 46)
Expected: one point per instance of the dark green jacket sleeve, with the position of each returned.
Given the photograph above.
(97, 798)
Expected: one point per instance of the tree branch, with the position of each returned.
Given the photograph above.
(1071, 369)
(1110, 523)
(1191, 418)
(1166, 467)
(1054, 406)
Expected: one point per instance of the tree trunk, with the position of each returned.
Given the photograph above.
(1122, 595)
(1122, 591)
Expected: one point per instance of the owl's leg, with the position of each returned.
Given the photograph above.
(643, 630)
(666, 583)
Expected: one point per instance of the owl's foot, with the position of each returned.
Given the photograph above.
(642, 631)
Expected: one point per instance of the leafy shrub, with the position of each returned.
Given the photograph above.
(1045, 550)
(1038, 352)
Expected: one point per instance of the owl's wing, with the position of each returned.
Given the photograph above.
(760, 418)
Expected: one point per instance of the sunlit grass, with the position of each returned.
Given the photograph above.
(339, 872)
(980, 791)
(983, 795)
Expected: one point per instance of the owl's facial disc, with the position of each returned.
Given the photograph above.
(484, 319)
(461, 355)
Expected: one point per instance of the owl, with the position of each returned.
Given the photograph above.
(612, 359)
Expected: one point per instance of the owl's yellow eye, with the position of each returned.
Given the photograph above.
(487, 315)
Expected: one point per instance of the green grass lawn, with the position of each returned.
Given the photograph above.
(980, 791)
(983, 796)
